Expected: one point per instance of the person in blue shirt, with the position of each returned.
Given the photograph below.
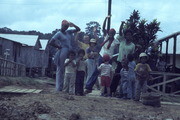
(62, 41)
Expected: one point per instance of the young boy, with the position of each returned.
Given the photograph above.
(106, 74)
(142, 75)
(81, 70)
(70, 73)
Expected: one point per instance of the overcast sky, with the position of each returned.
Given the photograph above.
(46, 15)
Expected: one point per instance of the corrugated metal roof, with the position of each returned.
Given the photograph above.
(170, 47)
(29, 40)
(43, 43)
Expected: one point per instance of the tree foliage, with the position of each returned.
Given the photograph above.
(143, 32)
(90, 27)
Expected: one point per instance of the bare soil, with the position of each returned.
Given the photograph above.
(51, 105)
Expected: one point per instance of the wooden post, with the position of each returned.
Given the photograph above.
(164, 85)
(109, 13)
(161, 47)
(174, 53)
(167, 45)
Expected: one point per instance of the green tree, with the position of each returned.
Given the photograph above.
(90, 28)
(143, 32)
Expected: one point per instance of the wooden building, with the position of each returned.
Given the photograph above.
(25, 49)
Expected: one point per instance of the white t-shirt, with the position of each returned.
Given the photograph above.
(109, 51)
(69, 68)
(105, 69)
(82, 66)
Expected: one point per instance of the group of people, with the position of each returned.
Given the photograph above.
(78, 71)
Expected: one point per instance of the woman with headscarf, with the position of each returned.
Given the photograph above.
(107, 47)
(62, 41)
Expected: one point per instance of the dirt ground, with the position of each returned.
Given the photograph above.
(51, 105)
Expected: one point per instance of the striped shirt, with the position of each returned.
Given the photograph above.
(105, 69)
(124, 74)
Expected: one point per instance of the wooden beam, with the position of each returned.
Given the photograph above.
(156, 90)
(165, 82)
(109, 13)
(175, 92)
(169, 36)
(157, 77)
(174, 53)
(164, 73)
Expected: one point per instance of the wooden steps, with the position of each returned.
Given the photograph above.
(12, 89)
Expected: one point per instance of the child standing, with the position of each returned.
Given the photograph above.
(124, 79)
(70, 73)
(106, 74)
(131, 77)
(92, 54)
(81, 71)
(142, 75)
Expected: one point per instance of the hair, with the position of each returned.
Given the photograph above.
(81, 51)
(106, 58)
(128, 31)
(65, 22)
(71, 52)
(113, 31)
(124, 62)
(130, 57)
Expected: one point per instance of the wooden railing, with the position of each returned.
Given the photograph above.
(164, 81)
(9, 68)
(166, 39)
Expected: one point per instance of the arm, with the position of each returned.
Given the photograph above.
(104, 26)
(75, 26)
(121, 28)
(52, 43)
(95, 33)
(74, 63)
(67, 62)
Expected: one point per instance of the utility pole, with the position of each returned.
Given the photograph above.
(109, 14)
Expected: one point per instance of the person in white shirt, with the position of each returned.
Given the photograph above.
(70, 73)
(106, 75)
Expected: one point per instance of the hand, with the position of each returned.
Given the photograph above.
(122, 22)
(71, 24)
(108, 16)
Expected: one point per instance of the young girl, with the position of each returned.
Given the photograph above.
(124, 79)
(106, 74)
(70, 73)
(142, 75)
(131, 77)
(81, 70)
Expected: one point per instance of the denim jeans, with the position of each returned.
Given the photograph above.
(59, 60)
(92, 80)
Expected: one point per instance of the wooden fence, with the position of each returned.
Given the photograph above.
(165, 83)
(9, 68)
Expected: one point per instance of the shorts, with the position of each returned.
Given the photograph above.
(105, 81)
